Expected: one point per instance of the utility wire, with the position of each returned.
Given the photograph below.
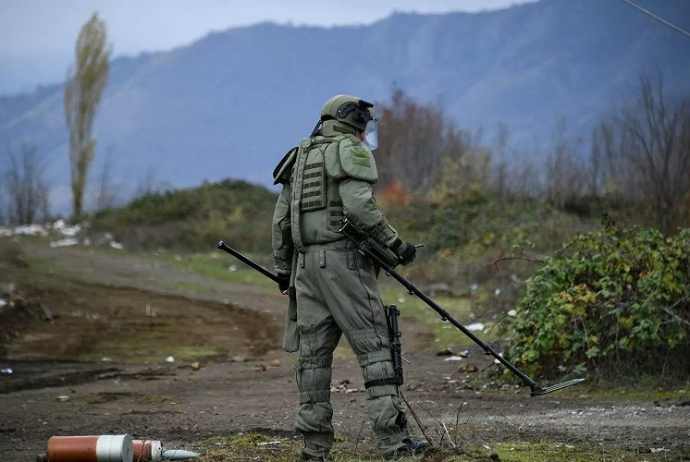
(660, 19)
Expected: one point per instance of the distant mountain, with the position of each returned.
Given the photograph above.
(233, 102)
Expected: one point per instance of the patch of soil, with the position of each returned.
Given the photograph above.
(28, 375)
(102, 323)
(149, 274)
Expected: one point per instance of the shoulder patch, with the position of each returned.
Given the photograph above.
(357, 161)
(360, 156)
(281, 174)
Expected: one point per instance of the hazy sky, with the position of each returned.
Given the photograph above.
(37, 36)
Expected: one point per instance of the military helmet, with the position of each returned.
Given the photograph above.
(348, 109)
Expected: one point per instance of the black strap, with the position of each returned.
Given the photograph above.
(380, 382)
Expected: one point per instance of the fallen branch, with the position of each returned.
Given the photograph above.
(678, 318)
(416, 419)
(534, 260)
(448, 436)
(359, 435)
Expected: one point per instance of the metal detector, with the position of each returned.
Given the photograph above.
(366, 246)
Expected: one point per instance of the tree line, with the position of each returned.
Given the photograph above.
(638, 164)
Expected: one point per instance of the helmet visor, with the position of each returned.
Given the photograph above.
(371, 134)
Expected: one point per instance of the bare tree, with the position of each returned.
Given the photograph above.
(106, 196)
(646, 152)
(82, 95)
(565, 172)
(415, 142)
(3, 212)
(524, 178)
(147, 184)
(26, 188)
(499, 153)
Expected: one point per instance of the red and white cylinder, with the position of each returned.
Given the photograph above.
(103, 448)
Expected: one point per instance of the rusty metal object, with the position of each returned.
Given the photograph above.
(147, 450)
(103, 448)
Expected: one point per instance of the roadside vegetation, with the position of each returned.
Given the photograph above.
(194, 218)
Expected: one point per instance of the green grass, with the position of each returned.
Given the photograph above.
(251, 446)
(217, 264)
(277, 448)
(149, 345)
(580, 452)
(152, 348)
(214, 265)
(283, 448)
(191, 287)
(48, 267)
(445, 334)
(182, 286)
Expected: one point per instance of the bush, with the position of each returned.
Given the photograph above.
(195, 218)
(611, 302)
(464, 234)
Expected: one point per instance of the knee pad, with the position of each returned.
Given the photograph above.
(313, 376)
(378, 372)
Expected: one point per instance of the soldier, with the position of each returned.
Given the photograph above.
(333, 288)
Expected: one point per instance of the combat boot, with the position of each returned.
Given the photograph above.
(411, 448)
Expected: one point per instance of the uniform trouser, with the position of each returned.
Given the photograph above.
(337, 293)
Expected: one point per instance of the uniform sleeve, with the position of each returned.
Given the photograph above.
(281, 233)
(360, 207)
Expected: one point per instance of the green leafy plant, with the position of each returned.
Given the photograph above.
(608, 302)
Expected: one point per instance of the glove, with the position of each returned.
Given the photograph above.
(405, 251)
(283, 282)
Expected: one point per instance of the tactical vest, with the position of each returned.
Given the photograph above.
(316, 208)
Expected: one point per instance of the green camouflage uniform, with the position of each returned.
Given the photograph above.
(335, 292)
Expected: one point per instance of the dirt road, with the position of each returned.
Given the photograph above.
(76, 349)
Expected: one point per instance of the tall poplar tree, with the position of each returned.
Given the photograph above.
(83, 91)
